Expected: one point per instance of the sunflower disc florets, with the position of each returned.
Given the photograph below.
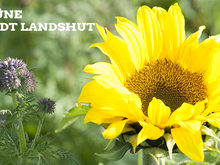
(46, 105)
(15, 75)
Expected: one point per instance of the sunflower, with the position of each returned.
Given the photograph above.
(158, 85)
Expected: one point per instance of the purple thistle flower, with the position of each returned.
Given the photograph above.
(15, 75)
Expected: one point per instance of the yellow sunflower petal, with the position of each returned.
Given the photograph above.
(149, 131)
(110, 82)
(174, 31)
(199, 108)
(96, 116)
(200, 59)
(212, 74)
(114, 129)
(212, 45)
(104, 68)
(214, 91)
(115, 103)
(125, 20)
(212, 107)
(91, 92)
(185, 112)
(158, 113)
(191, 125)
(150, 31)
(215, 96)
(161, 15)
(190, 143)
(116, 49)
(134, 41)
(214, 119)
(190, 56)
(102, 31)
(135, 106)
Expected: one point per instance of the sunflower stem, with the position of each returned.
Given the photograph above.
(139, 161)
(149, 159)
(20, 127)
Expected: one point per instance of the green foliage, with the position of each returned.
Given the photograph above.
(72, 115)
(180, 159)
(117, 152)
(15, 145)
(42, 147)
(10, 139)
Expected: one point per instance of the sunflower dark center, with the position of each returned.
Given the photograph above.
(168, 82)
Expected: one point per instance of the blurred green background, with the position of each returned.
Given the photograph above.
(61, 57)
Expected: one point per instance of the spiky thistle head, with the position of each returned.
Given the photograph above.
(15, 75)
(46, 105)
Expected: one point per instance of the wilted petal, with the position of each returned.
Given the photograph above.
(170, 143)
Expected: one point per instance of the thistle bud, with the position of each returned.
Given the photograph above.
(46, 105)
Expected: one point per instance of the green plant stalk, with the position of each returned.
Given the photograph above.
(139, 158)
(149, 159)
(20, 128)
(37, 134)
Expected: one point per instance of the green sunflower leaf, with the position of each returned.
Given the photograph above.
(72, 115)
(117, 152)
(211, 145)
(211, 158)
(180, 159)
(177, 159)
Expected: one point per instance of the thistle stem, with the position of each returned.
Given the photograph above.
(14, 100)
(148, 159)
(20, 127)
(38, 130)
